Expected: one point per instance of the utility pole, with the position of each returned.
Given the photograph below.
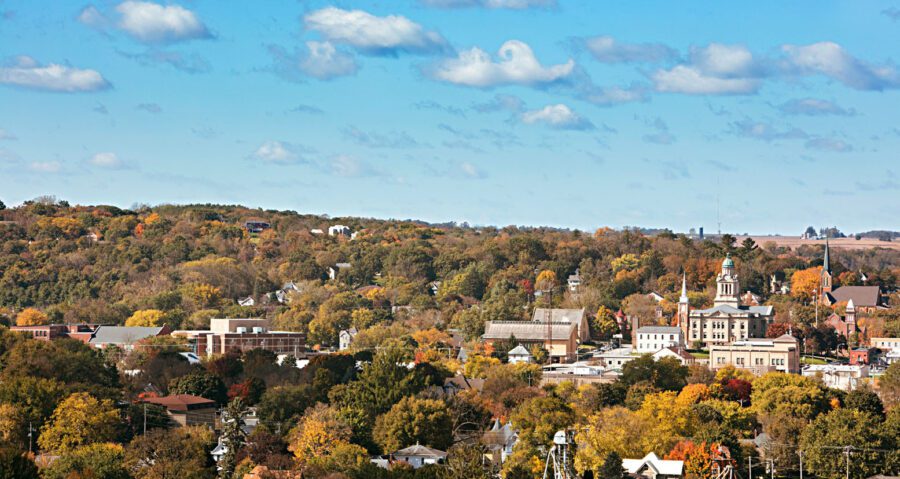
(750, 466)
(30, 435)
(801, 463)
(145, 419)
(847, 454)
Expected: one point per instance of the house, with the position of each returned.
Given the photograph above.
(860, 356)
(679, 354)
(652, 467)
(256, 226)
(574, 281)
(758, 356)
(499, 442)
(218, 452)
(334, 271)
(246, 302)
(345, 338)
(655, 297)
(418, 456)
(460, 382)
(839, 376)
(616, 358)
(124, 336)
(885, 344)
(560, 339)
(519, 354)
(750, 299)
(186, 409)
(728, 320)
(339, 230)
(573, 316)
(653, 338)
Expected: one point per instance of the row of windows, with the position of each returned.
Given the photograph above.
(756, 361)
(661, 336)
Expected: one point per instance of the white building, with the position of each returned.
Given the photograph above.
(574, 281)
(334, 271)
(616, 358)
(339, 230)
(418, 456)
(345, 338)
(728, 320)
(839, 376)
(519, 354)
(679, 354)
(652, 467)
(651, 339)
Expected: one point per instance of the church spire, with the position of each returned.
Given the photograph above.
(684, 296)
(826, 262)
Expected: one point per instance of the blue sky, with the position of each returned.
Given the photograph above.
(531, 112)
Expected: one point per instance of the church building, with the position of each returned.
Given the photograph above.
(728, 320)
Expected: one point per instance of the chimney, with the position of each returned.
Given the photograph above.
(635, 324)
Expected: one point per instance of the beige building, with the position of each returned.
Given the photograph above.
(758, 355)
(559, 339)
(728, 320)
(885, 344)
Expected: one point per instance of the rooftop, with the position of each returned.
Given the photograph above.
(528, 330)
(182, 402)
(420, 451)
(659, 330)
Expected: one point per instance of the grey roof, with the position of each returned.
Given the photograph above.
(528, 330)
(559, 315)
(123, 334)
(518, 351)
(861, 295)
(420, 451)
(499, 435)
(659, 329)
(728, 309)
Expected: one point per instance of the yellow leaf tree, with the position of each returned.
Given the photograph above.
(319, 432)
(546, 279)
(805, 283)
(78, 420)
(31, 317)
(146, 317)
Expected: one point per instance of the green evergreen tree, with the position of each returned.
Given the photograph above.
(612, 467)
(233, 437)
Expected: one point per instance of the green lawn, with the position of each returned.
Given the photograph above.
(808, 360)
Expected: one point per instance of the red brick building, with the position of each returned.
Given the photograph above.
(47, 332)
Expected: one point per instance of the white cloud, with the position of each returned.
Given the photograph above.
(557, 116)
(493, 4)
(690, 80)
(106, 160)
(374, 35)
(716, 69)
(814, 107)
(606, 49)
(517, 65)
(93, 17)
(725, 61)
(45, 166)
(5, 135)
(324, 61)
(276, 152)
(27, 73)
(831, 60)
(471, 171)
(348, 166)
(759, 130)
(829, 144)
(153, 23)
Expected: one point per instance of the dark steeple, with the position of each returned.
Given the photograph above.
(826, 263)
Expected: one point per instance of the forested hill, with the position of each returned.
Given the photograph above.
(185, 264)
